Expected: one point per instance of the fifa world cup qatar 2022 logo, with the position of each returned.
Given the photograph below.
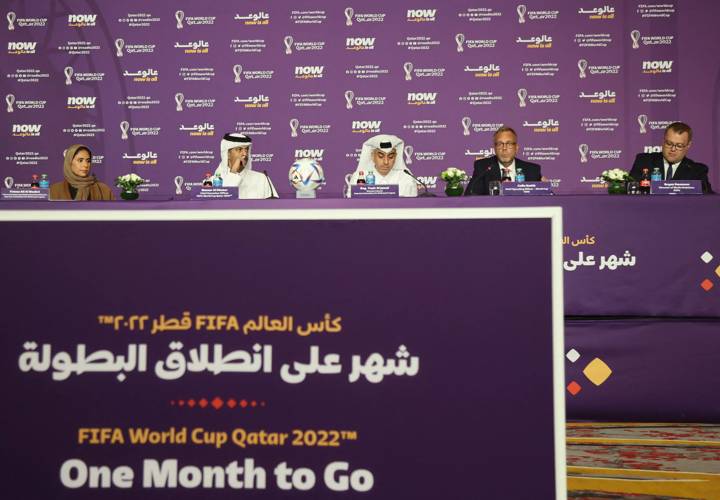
(460, 41)
(294, 125)
(11, 17)
(68, 75)
(521, 10)
(179, 98)
(349, 96)
(349, 13)
(466, 123)
(584, 149)
(288, 41)
(237, 71)
(124, 127)
(642, 121)
(10, 100)
(119, 44)
(408, 68)
(179, 16)
(522, 97)
(635, 37)
(582, 66)
(408, 151)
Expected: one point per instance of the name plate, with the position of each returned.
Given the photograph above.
(375, 191)
(20, 193)
(525, 189)
(676, 187)
(214, 193)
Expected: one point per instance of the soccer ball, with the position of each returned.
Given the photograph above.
(306, 175)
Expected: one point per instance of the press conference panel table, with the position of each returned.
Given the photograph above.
(624, 255)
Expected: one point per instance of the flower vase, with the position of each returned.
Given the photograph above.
(454, 189)
(617, 187)
(129, 194)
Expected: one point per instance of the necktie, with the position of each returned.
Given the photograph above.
(668, 172)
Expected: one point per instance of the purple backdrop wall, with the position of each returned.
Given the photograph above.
(598, 81)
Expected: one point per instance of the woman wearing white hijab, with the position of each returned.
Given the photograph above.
(383, 156)
(236, 169)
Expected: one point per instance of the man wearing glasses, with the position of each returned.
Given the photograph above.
(672, 162)
(501, 166)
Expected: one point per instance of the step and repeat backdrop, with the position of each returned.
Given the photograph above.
(151, 87)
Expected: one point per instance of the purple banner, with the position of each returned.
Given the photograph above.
(152, 87)
(281, 357)
(642, 370)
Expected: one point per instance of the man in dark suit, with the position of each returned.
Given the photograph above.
(672, 162)
(503, 165)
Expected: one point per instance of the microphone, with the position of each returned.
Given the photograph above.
(272, 191)
(426, 193)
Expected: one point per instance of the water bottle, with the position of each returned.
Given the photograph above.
(370, 178)
(656, 175)
(361, 177)
(44, 182)
(519, 175)
(217, 181)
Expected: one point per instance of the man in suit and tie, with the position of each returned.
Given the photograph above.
(672, 162)
(503, 165)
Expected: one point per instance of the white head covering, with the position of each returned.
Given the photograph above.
(385, 143)
(230, 141)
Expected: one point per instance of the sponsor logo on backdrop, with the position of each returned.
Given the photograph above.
(606, 124)
(525, 15)
(657, 67)
(149, 75)
(479, 154)
(536, 42)
(586, 68)
(422, 98)
(367, 71)
(297, 128)
(411, 155)
(599, 97)
(462, 43)
(638, 39)
(598, 13)
(260, 18)
(352, 17)
(469, 126)
(26, 129)
(119, 45)
(81, 103)
(360, 43)
(585, 40)
(24, 22)
(248, 46)
(316, 100)
(125, 128)
(586, 153)
(308, 16)
(194, 47)
(204, 129)
(260, 101)
(181, 103)
(352, 100)
(484, 71)
(139, 20)
(652, 149)
(137, 102)
(366, 126)
(122, 48)
(22, 104)
(253, 128)
(646, 124)
(314, 154)
(309, 72)
(551, 125)
(480, 97)
(21, 48)
(146, 158)
(524, 98)
(409, 70)
(69, 72)
(540, 69)
(656, 11)
(657, 95)
(479, 14)
(82, 20)
(429, 180)
(421, 15)
(262, 74)
(182, 20)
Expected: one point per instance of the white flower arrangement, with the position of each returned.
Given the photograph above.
(615, 175)
(453, 175)
(129, 182)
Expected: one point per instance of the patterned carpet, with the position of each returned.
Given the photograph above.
(643, 461)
